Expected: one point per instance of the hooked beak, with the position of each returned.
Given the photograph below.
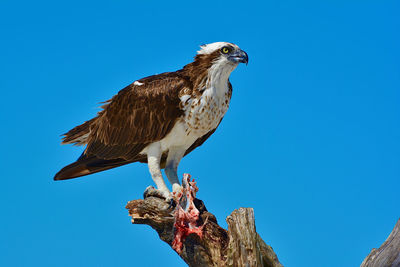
(239, 57)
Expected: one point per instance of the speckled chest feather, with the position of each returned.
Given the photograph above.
(204, 112)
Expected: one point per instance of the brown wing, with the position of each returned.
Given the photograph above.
(136, 116)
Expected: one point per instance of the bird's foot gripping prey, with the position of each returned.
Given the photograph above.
(158, 119)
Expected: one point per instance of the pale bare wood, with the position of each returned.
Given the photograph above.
(388, 255)
(246, 248)
(239, 246)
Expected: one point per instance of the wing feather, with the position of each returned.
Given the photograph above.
(137, 116)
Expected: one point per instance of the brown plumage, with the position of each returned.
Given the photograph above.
(135, 117)
(142, 113)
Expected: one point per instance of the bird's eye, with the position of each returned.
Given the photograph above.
(225, 50)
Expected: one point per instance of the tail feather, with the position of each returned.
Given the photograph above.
(88, 165)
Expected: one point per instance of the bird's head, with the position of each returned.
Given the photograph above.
(224, 53)
(214, 63)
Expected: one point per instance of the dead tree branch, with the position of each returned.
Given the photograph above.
(195, 235)
(204, 243)
(388, 254)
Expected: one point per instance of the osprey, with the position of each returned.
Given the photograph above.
(158, 119)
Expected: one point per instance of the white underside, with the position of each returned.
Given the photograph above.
(201, 116)
(184, 133)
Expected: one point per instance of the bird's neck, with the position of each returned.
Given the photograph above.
(218, 77)
(207, 73)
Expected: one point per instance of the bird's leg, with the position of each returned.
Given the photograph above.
(171, 169)
(153, 159)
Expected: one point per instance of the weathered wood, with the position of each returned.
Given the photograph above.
(388, 254)
(246, 248)
(239, 246)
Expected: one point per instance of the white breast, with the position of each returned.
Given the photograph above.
(201, 115)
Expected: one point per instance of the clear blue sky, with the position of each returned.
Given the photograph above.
(311, 140)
